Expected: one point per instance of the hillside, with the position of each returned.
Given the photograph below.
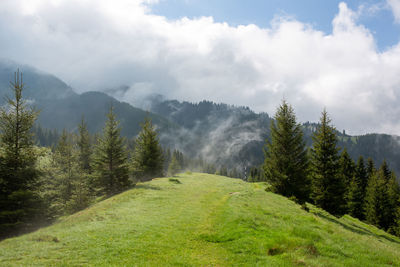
(235, 136)
(203, 220)
(62, 108)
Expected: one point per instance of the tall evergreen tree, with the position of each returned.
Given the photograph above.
(286, 161)
(362, 175)
(356, 191)
(370, 169)
(328, 189)
(147, 158)
(381, 198)
(347, 168)
(18, 202)
(110, 158)
(84, 145)
(66, 160)
(393, 190)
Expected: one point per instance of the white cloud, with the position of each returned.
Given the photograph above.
(103, 44)
(395, 6)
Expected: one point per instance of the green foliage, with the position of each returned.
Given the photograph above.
(347, 168)
(84, 145)
(356, 192)
(286, 162)
(328, 186)
(19, 204)
(382, 199)
(147, 158)
(110, 159)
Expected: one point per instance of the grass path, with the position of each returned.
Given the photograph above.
(205, 220)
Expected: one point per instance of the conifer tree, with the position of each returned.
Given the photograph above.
(18, 201)
(370, 169)
(66, 160)
(362, 175)
(356, 191)
(286, 162)
(371, 207)
(378, 202)
(328, 189)
(347, 167)
(111, 159)
(147, 158)
(84, 145)
(393, 190)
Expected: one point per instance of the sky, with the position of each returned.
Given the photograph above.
(340, 55)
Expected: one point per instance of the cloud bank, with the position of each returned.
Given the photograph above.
(100, 44)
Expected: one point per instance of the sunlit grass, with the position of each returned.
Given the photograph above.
(202, 220)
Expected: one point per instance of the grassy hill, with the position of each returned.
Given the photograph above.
(205, 220)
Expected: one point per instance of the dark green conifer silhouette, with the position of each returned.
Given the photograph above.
(110, 158)
(328, 188)
(286, 162)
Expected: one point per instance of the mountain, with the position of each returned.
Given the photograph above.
(38, 85)
(60, 107)
(219, 133)
(202, 220)
(235, 136)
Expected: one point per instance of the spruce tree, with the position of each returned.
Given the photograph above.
(66, 159)
(286, 161)
(362, 176)
(356, 191)
(371, 207)
(110, 158)
(393, 190)
(328, 188)
(370, 169)
(19, 203)
(147, 158)
(347, 167)
(84, 145)
(380, 198)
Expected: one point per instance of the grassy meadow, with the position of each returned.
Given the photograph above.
(202, 220)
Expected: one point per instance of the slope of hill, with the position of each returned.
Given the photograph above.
(61, 108)
(235, 136)
(202, 220)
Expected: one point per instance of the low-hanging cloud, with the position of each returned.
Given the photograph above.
(100, 44)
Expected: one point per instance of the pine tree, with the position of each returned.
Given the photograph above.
(286, 162)
(356, 192)
(147, 158)
(18, 201)
(347, 167)
(370, 169)
(328, 186)
(393, 190)
(66, 159)
(371, 207)
(362, 176)
(174, 166)
(110, 158)
(380, 198)
(84, 145)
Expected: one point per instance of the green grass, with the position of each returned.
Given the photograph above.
(202, 220)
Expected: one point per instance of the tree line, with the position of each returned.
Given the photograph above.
(39, 184)
(326, 177)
